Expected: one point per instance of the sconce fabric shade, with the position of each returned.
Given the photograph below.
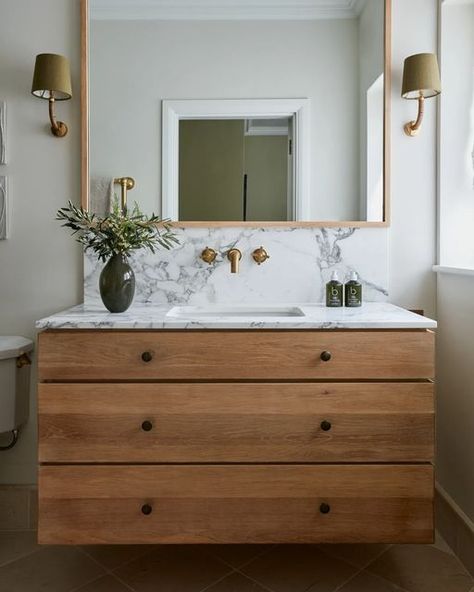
(52, 77)
(421, 76)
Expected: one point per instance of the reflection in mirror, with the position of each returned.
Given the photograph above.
(235, 169)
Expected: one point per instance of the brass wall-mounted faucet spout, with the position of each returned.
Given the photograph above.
(234, 256)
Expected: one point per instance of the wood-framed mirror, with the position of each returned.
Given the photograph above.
(189, 101)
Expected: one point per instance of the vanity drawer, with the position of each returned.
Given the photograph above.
(235, 355)
(235, 504)
(236, 422)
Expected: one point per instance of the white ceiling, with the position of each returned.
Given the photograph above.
(225, 9)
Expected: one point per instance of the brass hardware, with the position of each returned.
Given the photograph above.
(127, 184)
(147, 356)
(324, 508)
(326, 425)
(260, 255)
(147, 509)
(325, 356)
(58, 128)
(208, 255)
(234, 256)
(147, 426)
(413, 127)
(23, 360)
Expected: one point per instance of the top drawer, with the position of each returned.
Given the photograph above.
(235, 355)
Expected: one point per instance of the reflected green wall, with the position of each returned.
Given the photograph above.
(214, 155)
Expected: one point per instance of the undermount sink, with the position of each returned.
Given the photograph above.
(237, 310)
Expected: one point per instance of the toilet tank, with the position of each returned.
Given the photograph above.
(15, 367)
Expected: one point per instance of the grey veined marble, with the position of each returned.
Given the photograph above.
(300, 264)
(371, 315)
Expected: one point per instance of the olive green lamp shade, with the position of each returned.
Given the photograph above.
(421, 76)
(52, 77)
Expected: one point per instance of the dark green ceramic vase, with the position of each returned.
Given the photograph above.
(117, 284)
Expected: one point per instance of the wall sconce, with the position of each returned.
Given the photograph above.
(421, 81)
(52, 81)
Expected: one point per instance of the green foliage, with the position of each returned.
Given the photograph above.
(117, 233)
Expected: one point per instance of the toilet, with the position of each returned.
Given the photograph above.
(15, 365)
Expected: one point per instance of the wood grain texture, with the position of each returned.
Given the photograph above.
(235, 504)
(235, 355)
(240, 422)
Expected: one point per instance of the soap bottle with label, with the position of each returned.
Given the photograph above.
(334, 291)
(353, 291)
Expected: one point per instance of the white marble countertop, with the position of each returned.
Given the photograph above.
(371, 315)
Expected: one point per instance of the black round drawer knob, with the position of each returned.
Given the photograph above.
(147, 509)
(324, 508)
(147, 426)
(326, 426)
(147, 356)
(325, 356)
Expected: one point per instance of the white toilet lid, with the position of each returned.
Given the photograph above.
(12, 346)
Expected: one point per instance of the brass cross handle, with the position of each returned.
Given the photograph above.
(208, 255)
(260, 255)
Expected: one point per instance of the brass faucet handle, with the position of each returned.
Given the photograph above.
(234, 256)
(208, 255)
(260, 255)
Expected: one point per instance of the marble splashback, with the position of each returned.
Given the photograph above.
(300, 264)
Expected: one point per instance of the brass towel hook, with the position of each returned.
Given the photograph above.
(126, 183)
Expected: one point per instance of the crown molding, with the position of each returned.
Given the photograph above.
(224, 9)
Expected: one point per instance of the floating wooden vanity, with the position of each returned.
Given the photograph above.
(236, 436)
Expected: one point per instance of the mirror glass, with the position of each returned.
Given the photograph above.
(249, 167)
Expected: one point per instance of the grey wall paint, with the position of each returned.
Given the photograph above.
(239, 59)
(40, 266)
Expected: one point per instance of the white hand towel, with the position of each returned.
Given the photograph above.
(101, 195)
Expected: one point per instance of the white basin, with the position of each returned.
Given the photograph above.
(238, 310)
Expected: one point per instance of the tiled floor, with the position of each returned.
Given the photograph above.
(27, 567)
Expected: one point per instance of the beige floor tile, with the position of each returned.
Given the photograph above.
(358, 555)
(14, 504)
(33, 510)
(237, 555)
(441, 544)
(422, 568)
(52, 569)
(236, 582)
(297, 568)
(174, 569)
(465, 547)
(14, 545)
(113, 556)
(367, 582)
(104, 584)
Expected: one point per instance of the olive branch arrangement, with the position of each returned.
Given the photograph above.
(118, 233)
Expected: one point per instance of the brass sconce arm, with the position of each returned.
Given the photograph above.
(58, 128)
(413, 127)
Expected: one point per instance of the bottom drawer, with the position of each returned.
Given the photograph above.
(236, 504)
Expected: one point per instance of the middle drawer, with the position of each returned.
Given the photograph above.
(239, 422)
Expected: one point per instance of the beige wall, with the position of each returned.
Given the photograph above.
(40, 265)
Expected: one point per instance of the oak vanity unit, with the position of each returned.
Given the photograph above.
(173, 435)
